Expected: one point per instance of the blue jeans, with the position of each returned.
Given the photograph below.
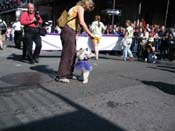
(126, 50)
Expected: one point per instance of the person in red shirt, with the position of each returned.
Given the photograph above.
(31, 21)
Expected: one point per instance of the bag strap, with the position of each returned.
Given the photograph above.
(70, 19)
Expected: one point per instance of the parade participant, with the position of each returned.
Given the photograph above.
(97, 28)
(68, 38)
(31, 21)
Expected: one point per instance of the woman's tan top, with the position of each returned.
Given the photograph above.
(73, 21)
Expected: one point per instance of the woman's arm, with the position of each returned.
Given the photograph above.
(82, 22)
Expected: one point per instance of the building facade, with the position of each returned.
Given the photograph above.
(160, 12)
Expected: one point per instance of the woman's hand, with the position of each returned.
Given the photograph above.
(92, 36)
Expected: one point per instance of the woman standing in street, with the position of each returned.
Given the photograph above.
(68, 38)
(97, 28)
(127, 41)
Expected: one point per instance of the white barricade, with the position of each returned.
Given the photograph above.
(108, 42)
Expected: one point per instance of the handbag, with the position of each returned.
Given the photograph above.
(63, 19)
(42, 31)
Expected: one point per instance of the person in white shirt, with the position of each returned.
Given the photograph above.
(97, 29)
(48, 26)
(127, 41)
(3, 29)
(18, 33)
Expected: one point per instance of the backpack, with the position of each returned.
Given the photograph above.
(62, 20)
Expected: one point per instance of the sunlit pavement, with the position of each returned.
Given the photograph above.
(120, 96)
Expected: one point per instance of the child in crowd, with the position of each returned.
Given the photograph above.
(151, 58)
(126, 43)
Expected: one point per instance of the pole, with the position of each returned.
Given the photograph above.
(166, 15)
(139, 12)
(113, 8)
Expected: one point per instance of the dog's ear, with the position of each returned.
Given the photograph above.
(79, 52)
(82, 55)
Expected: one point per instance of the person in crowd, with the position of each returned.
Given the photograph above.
(162, 34)
(118, 31)
(109, 30)
(128, 41)
(3, 29)
(171, 49)
(18, 33)
(156, 40)
(143, 42)
(31, 21)
(135, 42)
(97, 29)
(50, 29)
(68, 38)
(126, 47)
(173, 31)
(151, 56)
(8, 33)
(48, 26)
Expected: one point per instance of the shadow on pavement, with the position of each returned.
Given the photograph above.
(16, 57)
(168, 68)
(44, 69)
(111, 58)
(165, 87)
(79, 120)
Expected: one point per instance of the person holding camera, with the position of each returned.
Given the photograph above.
(31, 20)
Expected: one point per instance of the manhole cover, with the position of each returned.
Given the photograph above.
(25, 78)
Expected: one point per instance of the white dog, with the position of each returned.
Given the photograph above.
(83, 64)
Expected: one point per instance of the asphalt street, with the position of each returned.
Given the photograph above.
(120, 96)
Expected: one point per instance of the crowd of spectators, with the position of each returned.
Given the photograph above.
(160, 39)
(157, 39)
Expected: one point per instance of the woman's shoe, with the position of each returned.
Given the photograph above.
(36, 60)
(63, 80)
(74, 77)
(31, 62)
(130, 59)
